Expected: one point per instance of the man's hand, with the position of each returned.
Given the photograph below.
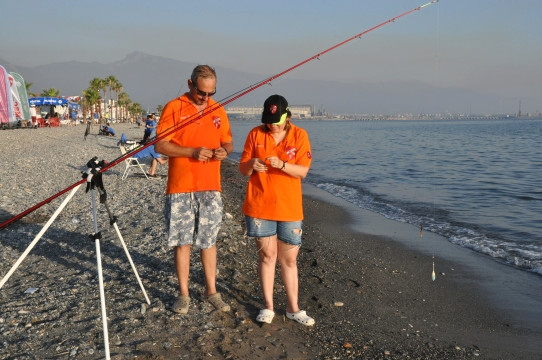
(202, 154)
(220, 154)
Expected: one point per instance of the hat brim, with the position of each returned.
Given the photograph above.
(277, 119)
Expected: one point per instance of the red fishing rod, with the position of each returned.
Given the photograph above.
(219, 104)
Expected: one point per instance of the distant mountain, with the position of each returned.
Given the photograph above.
(153, 80)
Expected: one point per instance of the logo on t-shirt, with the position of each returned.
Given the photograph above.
(216, 121)
(309, 154)
(290, 151)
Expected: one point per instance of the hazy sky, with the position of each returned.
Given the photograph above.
(492, 46)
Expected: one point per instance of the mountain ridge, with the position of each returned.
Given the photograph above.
(153, 80)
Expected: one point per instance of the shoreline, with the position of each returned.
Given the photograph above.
(371, 296)
(457, 303)
(509, 289)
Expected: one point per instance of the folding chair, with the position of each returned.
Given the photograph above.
(128, 144)
(131, 162)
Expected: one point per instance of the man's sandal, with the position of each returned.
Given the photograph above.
(216, 301)
(301, 317)
(265, 316)
(181, 305)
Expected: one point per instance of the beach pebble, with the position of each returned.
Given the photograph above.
(339, 303)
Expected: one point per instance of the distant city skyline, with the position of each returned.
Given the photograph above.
(487, 47)
(309, 112)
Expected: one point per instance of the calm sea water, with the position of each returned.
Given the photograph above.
(476, 183)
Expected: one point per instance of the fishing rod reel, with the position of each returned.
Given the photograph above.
(95, 181)
(94, 177)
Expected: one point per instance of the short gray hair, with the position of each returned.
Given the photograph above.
(202, 71)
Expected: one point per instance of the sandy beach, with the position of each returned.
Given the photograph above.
(370, 292)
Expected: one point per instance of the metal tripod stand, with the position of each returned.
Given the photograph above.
(94, 182)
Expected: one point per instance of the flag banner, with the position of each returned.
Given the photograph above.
(48, 100)
(53, 101)
(7, 114)
(16, 100)
(23, 96)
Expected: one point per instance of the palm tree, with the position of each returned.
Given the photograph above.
(110, 82)
(97, 84)
(83, 106)
(159, 109)
(30, 94)
(104, 88)
(92, 97)
(52, 92)
(135, 110)
(118, 88)
(123, 100)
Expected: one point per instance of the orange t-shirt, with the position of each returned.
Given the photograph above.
(211, 131)
(275, 195)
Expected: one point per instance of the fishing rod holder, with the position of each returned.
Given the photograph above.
(94, 178)
(94, 181)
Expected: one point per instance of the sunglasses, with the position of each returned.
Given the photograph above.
(203, 93)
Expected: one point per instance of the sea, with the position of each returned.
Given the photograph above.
(475, 183)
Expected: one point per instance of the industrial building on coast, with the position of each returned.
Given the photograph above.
(298, 111)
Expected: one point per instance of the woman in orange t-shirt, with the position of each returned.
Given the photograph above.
(276, 156)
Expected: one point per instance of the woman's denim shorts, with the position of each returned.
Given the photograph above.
(287, 231)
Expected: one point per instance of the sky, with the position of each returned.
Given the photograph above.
(490, 46)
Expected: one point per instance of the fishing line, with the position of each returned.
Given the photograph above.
(433, 182)
(212, 108)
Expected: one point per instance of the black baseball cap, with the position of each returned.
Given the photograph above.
(275, 109)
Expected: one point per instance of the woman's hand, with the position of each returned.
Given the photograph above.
(258, 165)
(275, 162)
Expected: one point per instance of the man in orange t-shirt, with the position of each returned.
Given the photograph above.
(276, 156)
(200, 139)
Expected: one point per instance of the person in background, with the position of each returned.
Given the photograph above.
(150, 128)
(193, 209)
(74, 117)
(276, 156)
(33, 116)
(108, 130)
(150, 152)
